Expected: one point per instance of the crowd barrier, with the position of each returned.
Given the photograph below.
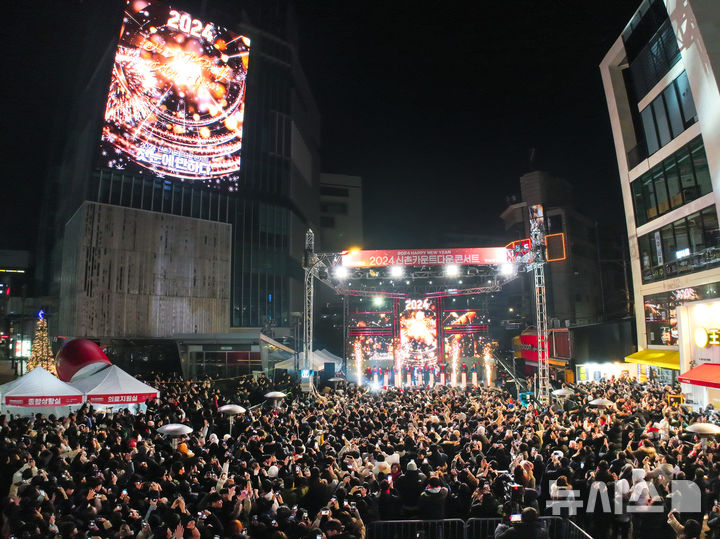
(455, 528)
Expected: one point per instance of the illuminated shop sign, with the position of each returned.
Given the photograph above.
(706, 337)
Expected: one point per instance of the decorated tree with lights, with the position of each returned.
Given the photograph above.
(41, 353)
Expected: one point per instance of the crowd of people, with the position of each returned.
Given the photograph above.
(330, 465)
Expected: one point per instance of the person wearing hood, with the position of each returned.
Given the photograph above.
(432, 502)
(409, 487)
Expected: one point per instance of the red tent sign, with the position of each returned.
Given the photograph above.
(120, 399)
(64, 400)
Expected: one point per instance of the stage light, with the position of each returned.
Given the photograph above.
(407, 282)
(511, 309)
(378, 301)
(396, 271)
(452, 270)
(507, 269)
(340, 272)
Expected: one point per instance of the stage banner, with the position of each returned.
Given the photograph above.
(426, 257)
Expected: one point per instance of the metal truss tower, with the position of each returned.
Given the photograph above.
(537, 239)
(309, 263)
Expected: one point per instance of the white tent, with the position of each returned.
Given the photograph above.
(317, 361)
(330, 357)
(39, 391)
(113, 388)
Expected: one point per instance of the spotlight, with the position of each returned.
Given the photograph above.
(507, 269)
(340, 272)
(378, 301)
(452, 270)
(396, 271)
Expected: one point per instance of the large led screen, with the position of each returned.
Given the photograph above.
(371, 348)
(370, 320)
(464, 346)
(465, 320)
(370, 336)
(177, 97)
(418, 333)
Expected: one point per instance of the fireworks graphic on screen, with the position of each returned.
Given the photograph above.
(418, 336)
(177, 96)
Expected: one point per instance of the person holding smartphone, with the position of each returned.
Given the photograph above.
(526, 524)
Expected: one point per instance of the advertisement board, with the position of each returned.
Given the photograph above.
(176, 101)
(704, 332)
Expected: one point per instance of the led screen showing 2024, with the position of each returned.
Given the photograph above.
(418, 333)
(177, 97)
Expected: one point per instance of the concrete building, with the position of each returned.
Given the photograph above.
(341, 212)
(662, 95)
(573, 295)
(136, 273)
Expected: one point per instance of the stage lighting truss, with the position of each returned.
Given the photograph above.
(414, 281)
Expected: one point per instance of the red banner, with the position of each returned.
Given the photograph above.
(64, 400)
(120, 399)
(528, 347)
(474, 256)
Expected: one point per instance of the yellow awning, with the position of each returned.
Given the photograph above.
(667, 359)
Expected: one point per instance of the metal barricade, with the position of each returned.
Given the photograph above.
(474, 528)
(417, 529)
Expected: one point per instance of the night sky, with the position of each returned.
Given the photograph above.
(435, 104)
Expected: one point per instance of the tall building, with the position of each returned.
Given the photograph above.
(341, 228)
(181, 195)
(662, 95)
(341, 212)
(573, 297)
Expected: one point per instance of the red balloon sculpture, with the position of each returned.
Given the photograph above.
(80, 358)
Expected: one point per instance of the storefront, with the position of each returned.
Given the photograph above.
(595, 372)
(656, 365)
(699, 328)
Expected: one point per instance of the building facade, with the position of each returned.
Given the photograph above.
(130, 273)
(256, 227)
(573, 296)
(341, 212)
(662, 95)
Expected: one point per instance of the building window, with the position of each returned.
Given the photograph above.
(554, 224)
(669, 114)
(688, 245)
(659, 52)
(335, 208)
(334, 191)
(679, 179)
(327, 221)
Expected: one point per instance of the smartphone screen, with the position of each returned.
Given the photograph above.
(515, 518)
